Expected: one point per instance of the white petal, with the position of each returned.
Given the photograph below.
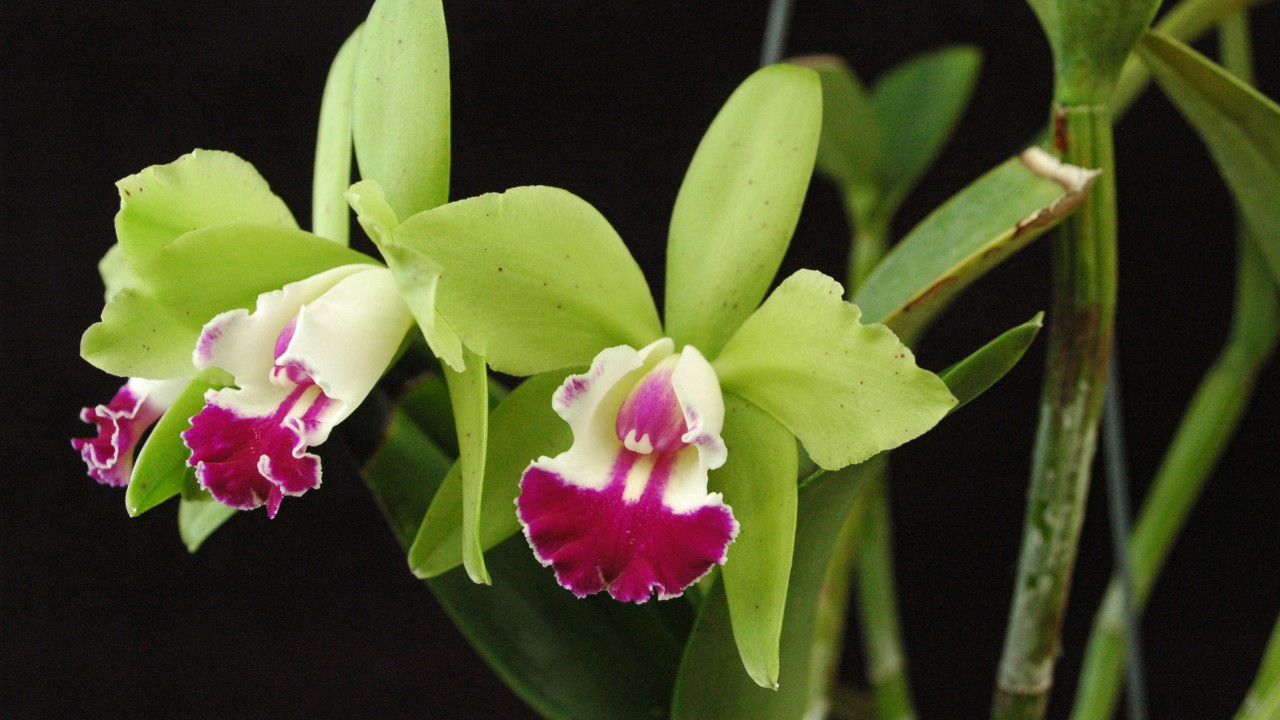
(702, 402)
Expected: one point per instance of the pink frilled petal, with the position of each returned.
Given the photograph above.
(626, 508)
(121, 424)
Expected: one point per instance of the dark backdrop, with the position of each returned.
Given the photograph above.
(314, 613)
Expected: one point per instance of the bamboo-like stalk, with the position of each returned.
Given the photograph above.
(1263, 699)
(878, 608)
(1079, 343)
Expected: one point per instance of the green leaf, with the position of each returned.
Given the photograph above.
(469, 395)
(527, 428)
(115, 272)
(710, 686)
(971, 377)
(329, 215)
(739, 203)
(917, 105)
(1240, 126)
(568, 658)
(846, 390)
(400, 103)
(198, 519)
(533, 279)
(201, 188)
(978, 228)
(416, 275)
(759, 482)
(1090, 42)
(851, 148)
(150, 330)
(161, 468)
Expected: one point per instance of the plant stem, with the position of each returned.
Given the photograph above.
(1083, 310)
(878, 606)
(1263, 699)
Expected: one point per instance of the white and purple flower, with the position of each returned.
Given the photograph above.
(303, 361)
(121, 423)
(626, 508)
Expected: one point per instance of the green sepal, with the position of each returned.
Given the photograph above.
(527, 427)
(199, 189)
(149, 330)
(332, 173)
(759, 482)
(846, 390)
(161, 468)
(1240, 126)
(400, 103)
(710, 654)
(198, 519)
(977, 229)
(534, 279)
(973, 375)
(469, 397)
(115, 272)
(1090, 42)
(738, 205)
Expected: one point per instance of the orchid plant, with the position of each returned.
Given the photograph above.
(568, 440)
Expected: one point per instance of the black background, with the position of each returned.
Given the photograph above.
(314, 613)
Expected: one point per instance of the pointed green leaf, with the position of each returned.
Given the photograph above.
(568, 658)
(971, 377)
(198, 519)
(161, 467)
(201, 188)
(977, 229)
(1240, 126)
(846, 390)
(400, 103)
(329, 215)
(415, 273)
(710, 685)
(759, 482)
(533, 279)
(469, 395)
(739, 203)
(150, 330)
(115, 272)
(1090, 42)
(851, 146)
(524, 427)
(917, 105)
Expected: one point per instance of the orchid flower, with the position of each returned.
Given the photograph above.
(121, 423)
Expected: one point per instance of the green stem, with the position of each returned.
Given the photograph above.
(878, 605)
(1079, 343)
(1263, 700)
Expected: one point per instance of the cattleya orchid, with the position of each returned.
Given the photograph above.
(121, 423)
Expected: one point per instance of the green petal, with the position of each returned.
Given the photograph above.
(524, 427)
(161, 468)
(329, 216)
(150, 330)
(198, 519)
(400, 103)
(973, 375)
(977, 229)
(846, 390)
(469, 396)
(759, 483)
(115, 272)
(739, 203)
(1240, 126)
(534, 279)
(1090, 42)
(201, 188)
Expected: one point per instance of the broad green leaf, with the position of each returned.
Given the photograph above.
(533, 279)
(469, 396)
(527, 428)
(710, 685)
(568, 658)
(1090, 42)
(1240, 126)
(332, 174)
(416, 275)
(977, 229)
(759, 482)
(198, 519)
(199, 189)
(149, 330)
(973, 375)
(846, 390)
(115, 272)
(400, 103)
(161, 467)
(739, 203)
(917, 105)
(851, 146)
